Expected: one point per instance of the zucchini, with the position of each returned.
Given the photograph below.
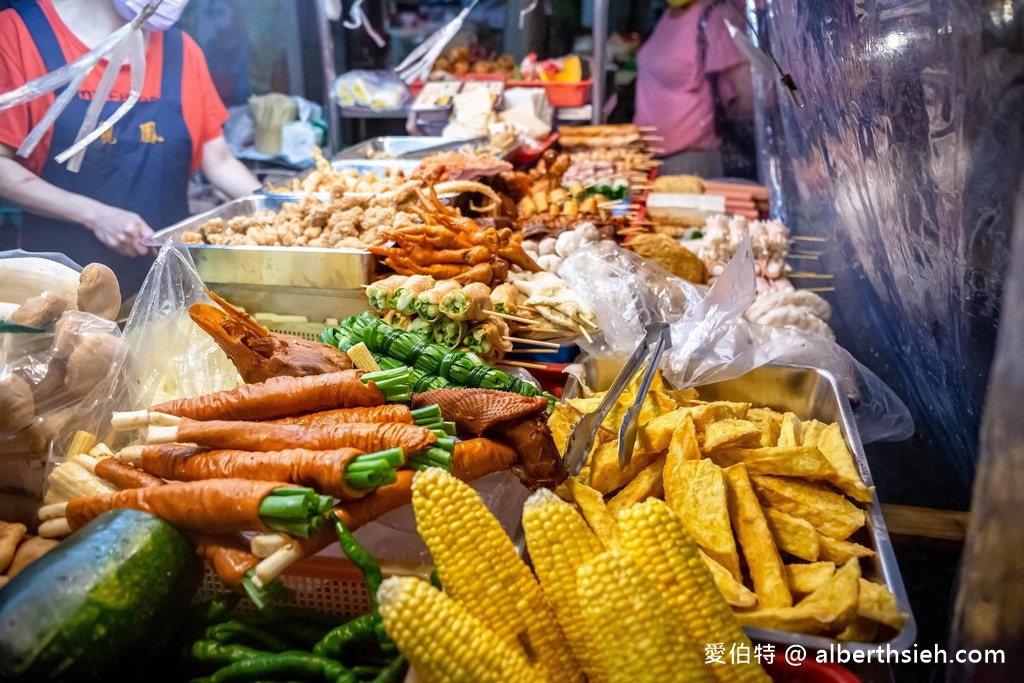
(105, 600)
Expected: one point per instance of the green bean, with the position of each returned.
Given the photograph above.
(231, 632)
(213, 652)
(393, 672)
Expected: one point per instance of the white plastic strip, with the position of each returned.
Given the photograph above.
(138, 74)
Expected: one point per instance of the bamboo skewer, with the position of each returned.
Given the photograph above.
(807, 238)
(550, 345)
(516, 318)
(819, 289)
(810, 276)
(583, 331)
(813, 257)
(524, 364)
(537, 351)
(644, 128)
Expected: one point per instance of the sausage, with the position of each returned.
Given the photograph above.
(279, 397)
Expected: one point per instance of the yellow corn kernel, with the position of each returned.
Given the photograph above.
(664, 550)
(633, 634)
(443, 641)
(362, 358)
(478, 566)
(560, 542)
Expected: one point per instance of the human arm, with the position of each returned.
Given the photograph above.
(120, 230)
(227, 173)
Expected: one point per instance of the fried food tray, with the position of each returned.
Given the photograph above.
(810, 393)
(316, 283)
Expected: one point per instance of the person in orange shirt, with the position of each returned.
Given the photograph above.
(135, 178)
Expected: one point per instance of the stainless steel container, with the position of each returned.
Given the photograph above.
(404, 147)
(316, 283)
(809, 393)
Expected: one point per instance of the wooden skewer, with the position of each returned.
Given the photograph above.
(808, 238)
(537, 351)
(813, 257)
(523, 364)
(583, 331)
(647, 128)
(810, 276)
(545, 344)
(507, 316)
(653, 138)
(819, 289)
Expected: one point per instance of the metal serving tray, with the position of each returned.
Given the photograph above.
(404, 147)
(316, 283)
(809, 393)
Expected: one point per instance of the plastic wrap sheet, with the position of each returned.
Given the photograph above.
(907, 160)
(988, 607)
(710, 341)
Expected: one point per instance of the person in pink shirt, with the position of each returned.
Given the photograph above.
(674, 93)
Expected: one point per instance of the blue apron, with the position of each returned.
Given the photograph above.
(142, 165)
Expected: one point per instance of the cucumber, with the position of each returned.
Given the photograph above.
(105, 600)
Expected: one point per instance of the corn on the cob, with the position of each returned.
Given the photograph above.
(443, 641)
(81, 442)
(560, 542)
(478, 566)
(633, 634)
(664, 550)
(70, 480)
(362, 358)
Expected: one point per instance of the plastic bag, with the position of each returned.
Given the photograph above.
(164, 355)
(378, 90)
(46, 377)
(710, 341)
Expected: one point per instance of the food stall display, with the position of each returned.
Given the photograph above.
(737, 520)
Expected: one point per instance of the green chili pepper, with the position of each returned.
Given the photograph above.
(290, 664)
(212, 652)
(394, 672)
(371, 574)
(350, 637)
(231, 632)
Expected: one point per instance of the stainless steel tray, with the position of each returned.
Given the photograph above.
(809, 393)
(378, 166)
(317, 283)
(404, 147)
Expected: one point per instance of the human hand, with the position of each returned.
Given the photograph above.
(122, 231)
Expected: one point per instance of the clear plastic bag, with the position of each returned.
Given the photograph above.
(47, 377)
(378, 90)
(164, 355)
(710, 341)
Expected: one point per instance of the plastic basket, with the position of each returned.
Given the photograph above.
(559, 94)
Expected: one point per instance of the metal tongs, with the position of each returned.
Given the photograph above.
(655, 342)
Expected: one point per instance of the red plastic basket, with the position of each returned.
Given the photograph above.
(809, 671)
(559, 94)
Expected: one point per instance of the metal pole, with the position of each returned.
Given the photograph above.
(598, 64)
(323, 28)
